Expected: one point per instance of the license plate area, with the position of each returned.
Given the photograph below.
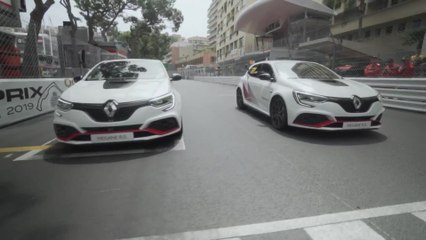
(111, 137)
(356, 125)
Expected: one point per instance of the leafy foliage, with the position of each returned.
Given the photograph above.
(416, 37)
(145, 37)
(102, 14)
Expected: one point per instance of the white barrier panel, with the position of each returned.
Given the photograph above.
(21, 99)
(220, 80)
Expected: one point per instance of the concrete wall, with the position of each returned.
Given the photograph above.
(22, 99)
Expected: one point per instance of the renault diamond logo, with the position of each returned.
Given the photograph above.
(357, 102)
(111, 108)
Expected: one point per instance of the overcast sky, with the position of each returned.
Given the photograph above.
(194, 12)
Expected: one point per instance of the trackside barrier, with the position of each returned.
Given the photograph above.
(401, 93)
(220, 80)
(21, 99)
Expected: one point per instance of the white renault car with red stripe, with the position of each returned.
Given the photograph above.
(119, 101)
(308, 95)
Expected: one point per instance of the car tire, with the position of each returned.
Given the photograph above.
(278, 113)
(240, 100)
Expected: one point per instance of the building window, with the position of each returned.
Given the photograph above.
(367, 34)
(389, 29)
(401, 27)
(394, 2)
(378, 32)
(417, 23)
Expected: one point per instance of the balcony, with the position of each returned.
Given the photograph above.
(348, 20)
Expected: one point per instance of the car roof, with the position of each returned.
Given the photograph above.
(131, 60)
(284, 61)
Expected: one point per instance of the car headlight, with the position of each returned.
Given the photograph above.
(63, 105)
(305, 99)
(165, 102)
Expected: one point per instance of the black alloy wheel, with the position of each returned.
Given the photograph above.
(278, 112)
(240, 101)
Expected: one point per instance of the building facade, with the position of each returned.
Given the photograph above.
(383, 28)
(233, 49)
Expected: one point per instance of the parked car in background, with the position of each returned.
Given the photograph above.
(351, 70)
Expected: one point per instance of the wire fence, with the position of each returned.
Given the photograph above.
(395, 50)
(53, 53)
(369, 53)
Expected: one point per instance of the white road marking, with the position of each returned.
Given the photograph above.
(291, 224)
(421, 215)
(356, 230)
(180, 146)
(109, 190)
(9, 155)
(29, 155)
(32, 155)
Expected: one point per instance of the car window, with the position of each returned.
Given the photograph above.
(314, 71)
(266, 68)
(254, 70)
(127, 70)
(305, 70)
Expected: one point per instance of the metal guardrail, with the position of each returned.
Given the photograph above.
(401, 93)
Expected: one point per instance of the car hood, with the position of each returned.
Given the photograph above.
(102, 91)
(342, 88)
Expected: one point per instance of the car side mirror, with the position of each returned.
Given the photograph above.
(77, 78)
(265, 76)
(176, 77)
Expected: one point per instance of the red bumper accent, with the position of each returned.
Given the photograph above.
(149, 130)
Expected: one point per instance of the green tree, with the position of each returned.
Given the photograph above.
(30, 64)
(103, 14)
(415, 37)
(145, 37)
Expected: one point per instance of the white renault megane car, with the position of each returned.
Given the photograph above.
(308, 95)
(119, 101)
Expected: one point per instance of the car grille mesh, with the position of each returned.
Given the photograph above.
(97, 113)
(348, 105)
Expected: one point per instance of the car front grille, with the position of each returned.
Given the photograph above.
(348, 105)
(97, 113)
(164, 125)
(113, 129)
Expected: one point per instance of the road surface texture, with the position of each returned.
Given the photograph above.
(231, 176)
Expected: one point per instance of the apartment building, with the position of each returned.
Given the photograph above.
(212, 23)
(383, 28)
(198, 43)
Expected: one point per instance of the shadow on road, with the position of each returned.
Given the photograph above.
(104, 153)
(13, 203)
(46, 232)
(343, 138)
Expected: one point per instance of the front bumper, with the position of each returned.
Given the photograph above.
(147, 123)
(331, 117)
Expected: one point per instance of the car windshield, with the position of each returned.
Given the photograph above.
(305, 70)
(127, 71)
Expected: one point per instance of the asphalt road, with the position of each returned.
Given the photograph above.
(231, 168)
